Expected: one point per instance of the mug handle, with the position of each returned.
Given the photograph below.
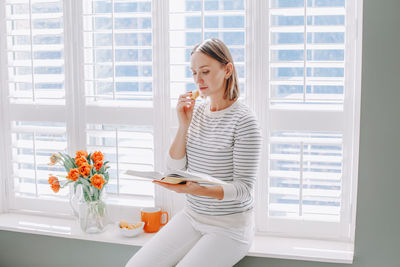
(166, 214)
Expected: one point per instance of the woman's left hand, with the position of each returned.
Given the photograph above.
(188, 187)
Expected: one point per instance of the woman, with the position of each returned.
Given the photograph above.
(221, 138)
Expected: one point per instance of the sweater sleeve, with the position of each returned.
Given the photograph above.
(246, 157)
(175, 164)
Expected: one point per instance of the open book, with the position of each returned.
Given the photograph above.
(175, 177)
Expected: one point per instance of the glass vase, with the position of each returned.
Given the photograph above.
(93, 216)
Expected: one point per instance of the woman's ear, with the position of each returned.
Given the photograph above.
(228, 70)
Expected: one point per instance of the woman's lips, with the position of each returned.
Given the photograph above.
(203, 88)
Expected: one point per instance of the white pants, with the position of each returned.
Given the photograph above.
(183, 243)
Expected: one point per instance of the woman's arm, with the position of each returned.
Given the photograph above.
(184, 110)
(246, 157)
(178, 147)
(214, 191)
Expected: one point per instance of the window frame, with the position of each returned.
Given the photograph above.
(76, 114)
(4, 158)
(256, 80)
(348, 120)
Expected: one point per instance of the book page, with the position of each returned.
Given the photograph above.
(176, 174)
(195, 177)
(154, 175)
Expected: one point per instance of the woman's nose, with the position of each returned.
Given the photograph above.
(198, 79)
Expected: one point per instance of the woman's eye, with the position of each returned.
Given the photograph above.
(205, 72)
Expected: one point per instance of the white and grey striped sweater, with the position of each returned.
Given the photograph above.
(225, 144)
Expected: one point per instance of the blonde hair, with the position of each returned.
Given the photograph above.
(216, 49)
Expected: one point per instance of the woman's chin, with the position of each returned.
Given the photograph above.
(203, 94)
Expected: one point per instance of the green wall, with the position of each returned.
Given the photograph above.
(378, 209)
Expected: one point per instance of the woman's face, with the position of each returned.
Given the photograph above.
(208, 74)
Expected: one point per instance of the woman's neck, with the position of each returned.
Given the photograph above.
(220, 104)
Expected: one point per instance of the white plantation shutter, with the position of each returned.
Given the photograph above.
(305, 176)
(32, 145)
(105, 75)
(126, 147)
(307, 45)
(118, 74)
(108, 106)
(34, 101)
(192, 21)
(118, 50)
(309, 127)
(35, 42)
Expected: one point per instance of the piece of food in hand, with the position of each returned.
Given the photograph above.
(195, 94)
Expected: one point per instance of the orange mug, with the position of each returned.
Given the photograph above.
(153, 219)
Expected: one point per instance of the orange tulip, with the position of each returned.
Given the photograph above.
(84, 170)
(52, 179)
(80, 161)
(97, 156)
(53, 159)
(54, 184)
(81, 153)
(73, 174)
(98, 165)
(55, 187)
(97, 181)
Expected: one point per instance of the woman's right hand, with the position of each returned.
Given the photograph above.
(184, 109)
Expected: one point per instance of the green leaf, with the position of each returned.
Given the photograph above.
(76, 185)
(89, 159)
(66, 167)
(92, 171)
(71, 161)
(68, 162)
(96, 193)
(84, 181)
(64, 162)
(62, 156)
(66, 183)
(101, 169)
(86, 193)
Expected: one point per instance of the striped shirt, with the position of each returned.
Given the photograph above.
(224, 144)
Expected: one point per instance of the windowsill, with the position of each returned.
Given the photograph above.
(263, 246)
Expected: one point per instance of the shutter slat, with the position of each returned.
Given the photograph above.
(126, 147)
(39, 63)
(39, 78)
(28, 48)
(310, 11)
(305, 175)
(326, 46)
(16, 17)
(301, 29)
(310, 64)
(309, 175)
(35, 47)
(32, 145)
(111, 73)
(190, 24)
